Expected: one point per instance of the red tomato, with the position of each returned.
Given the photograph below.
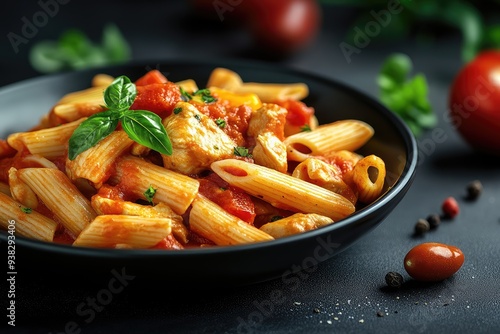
(278, 26)
(299, 114)
(158, 98)
(450, 207)
(474, 102)
(233, 200)
(283, 25)
(152, 77)
(432, 261)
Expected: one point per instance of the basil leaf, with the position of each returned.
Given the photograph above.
(120, 94)
(145, 128)
(91, 131)
(114, 44)
(396, 68)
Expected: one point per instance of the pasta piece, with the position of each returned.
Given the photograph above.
(341, 135)
(282, 190)
(95, 164)
(102, 80)
(80, 104)
(267, 92)
(174, 189)
(369, 190)
(20, 190)
(225, 79)
(49, 143)
(196, 139)
(60, 196)
(137, 232)
(212, 222)
(33, 160)
(189, 85)
(107, 206)
(295, 224)
(5, 189)
(31, 225)
(324, 175)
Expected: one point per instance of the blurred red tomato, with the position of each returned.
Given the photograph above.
(281, 26)
(474, 102)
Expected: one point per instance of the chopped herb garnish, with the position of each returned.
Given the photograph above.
(150, 194)
(305, 128)
(220, 123)
(185, 95)
(177, 110)
(275, 218)
(142, 126)
(241, 151)
(27, 210)
(198, 117)
(205, 95)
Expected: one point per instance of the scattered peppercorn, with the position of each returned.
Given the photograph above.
(434, 220)
(450, 207)
(394, 279)
(422, 226)
(474, 189)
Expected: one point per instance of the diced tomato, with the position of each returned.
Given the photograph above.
(299, 113)
(152, 77)
(233, 200)
(169, 242)
(159, 98)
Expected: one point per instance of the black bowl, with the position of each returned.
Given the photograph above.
(25, 102)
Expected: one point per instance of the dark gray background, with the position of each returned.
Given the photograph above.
(344, 294)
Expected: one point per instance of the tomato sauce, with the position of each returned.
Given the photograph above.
(233, 200)
(299, 114)
(159, 98)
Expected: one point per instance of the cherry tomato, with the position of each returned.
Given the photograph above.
(474, 102)
(279, 26)
(432, 261)
(283, 25)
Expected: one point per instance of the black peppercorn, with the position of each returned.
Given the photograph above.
(394, 279)
(434, 220)
(474, 189)
(422, 226)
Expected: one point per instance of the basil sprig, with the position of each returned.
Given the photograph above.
(142, 126)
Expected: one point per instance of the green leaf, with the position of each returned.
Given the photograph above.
(241, 151)
(91, 131)
(45, 57)
(396, 68)
(145, 128)
(150, 194)
(114, 44)
(120, 94)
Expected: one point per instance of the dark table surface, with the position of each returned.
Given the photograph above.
(346, 294)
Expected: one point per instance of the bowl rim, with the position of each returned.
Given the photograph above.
(400, 186)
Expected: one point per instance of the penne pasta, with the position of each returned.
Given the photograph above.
(212, 222)
(174, 189)
(137, 232)
(267, 92)
(367, 168)
(60, 196)
(341, 135)
(30, 224)
(95, 164)
(5, 189)
(20, 190)
(49, 143)
(282, 190)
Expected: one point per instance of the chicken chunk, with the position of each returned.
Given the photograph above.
(196, 140)
(295, 224)
(267, 127)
